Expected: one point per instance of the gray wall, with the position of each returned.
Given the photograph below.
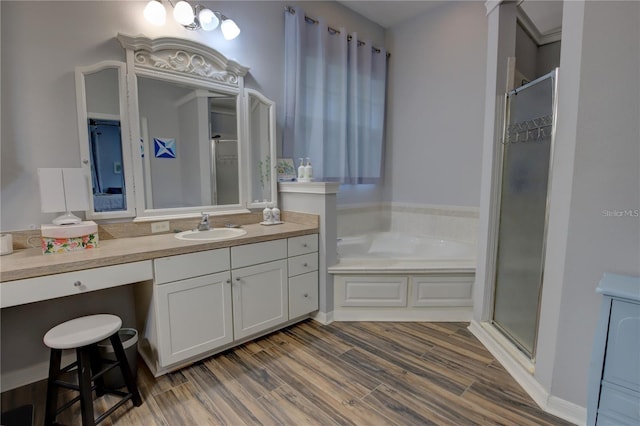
(532, 60)
(526, 55)
(44, 41)
(548, 58)
(606, 177)
(435, 110)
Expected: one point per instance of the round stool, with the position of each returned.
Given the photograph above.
(83, 334)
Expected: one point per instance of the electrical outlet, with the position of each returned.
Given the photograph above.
(160, 227)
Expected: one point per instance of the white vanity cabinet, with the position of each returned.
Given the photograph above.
(614, 385)
(204, 302)
(303, 275)
(192, 294)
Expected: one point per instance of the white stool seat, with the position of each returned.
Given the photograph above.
(82, 331)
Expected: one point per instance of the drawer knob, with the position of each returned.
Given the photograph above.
(238, 279)
(304, 245)
(228, 281)
(306, 295)
(305, 264)
(77, 284)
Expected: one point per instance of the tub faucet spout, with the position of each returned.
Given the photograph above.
(204, 223)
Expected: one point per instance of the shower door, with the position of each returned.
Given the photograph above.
(527, 150)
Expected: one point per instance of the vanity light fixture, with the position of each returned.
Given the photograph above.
(192, 18)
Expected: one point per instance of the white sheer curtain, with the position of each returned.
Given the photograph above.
(334, 101)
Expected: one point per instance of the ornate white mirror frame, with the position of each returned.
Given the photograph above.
(108, 103)
(188, 63)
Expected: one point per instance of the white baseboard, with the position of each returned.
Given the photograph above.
(462, 314)
(324, 318)
(566, 410)
(34, 373)
(522, 372)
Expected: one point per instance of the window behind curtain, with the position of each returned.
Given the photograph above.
(334, 101)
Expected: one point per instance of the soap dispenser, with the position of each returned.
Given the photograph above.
(301, 170)
(308, 171)
(267, 214)
(275, 214)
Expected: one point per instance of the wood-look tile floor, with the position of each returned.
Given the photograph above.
(346, 373)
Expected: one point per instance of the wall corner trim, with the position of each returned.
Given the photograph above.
(490, 5)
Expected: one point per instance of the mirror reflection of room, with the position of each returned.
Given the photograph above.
(107, 179)
(105, 140)
(223, 122)
(190, 149)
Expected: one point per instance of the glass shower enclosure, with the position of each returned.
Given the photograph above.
(527, 147)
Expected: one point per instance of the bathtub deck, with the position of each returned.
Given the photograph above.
(349, 266)
(344, 373)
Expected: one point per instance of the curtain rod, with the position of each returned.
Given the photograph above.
(292, 11)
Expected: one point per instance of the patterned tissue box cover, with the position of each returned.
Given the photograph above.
(67, 238)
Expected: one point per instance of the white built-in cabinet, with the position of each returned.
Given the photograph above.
(207, 301)
(614, 377)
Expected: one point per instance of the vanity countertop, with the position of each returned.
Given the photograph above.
(29, 263)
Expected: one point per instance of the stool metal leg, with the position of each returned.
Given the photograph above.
(126, 371)
(52, 390)
(84, 382)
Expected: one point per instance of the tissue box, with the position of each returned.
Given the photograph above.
(66, 238)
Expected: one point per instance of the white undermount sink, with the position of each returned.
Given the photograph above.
(214, 234)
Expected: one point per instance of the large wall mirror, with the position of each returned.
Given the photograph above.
(104, 139)
(195, 140)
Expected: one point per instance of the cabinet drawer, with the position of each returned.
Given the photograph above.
(302, 264)
(302, 245)
(173, 268)
(303, 294)
(70, 283)
(253, 254)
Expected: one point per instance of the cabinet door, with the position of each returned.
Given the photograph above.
(303, 294)
(622, 361)
(194, 316)
(260, 298)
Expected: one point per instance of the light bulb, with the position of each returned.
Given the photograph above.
(155, 13)
(208, 20)
(183, 13)
(229, 29)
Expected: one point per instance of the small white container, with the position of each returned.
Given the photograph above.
(308, 171)
(267, 214)
(275, 214)
(6, 243)
(301, 170)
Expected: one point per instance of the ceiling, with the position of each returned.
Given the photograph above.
(545, 15)
(390, 13)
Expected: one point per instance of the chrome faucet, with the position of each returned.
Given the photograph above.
(204, 222)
